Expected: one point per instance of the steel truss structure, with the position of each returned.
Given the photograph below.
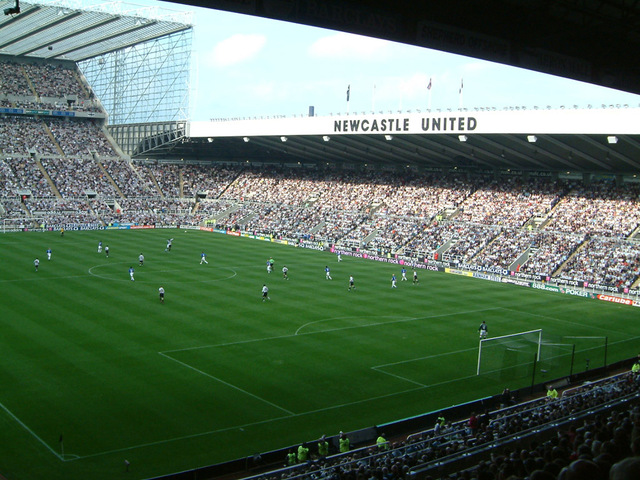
(146, 82)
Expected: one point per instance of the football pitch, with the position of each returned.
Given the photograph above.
(96, 371)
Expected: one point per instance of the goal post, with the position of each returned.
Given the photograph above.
(511, 350)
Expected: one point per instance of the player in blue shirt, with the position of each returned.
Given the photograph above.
(131, 272)
(393, 281)
(327, 273)
(48, 254)
(203, 258)
(404, 274)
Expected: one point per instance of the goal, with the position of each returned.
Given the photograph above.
(509, 352)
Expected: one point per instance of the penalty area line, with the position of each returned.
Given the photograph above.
(31, 432)
(263, 400)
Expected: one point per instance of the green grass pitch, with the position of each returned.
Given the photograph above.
(215, 373)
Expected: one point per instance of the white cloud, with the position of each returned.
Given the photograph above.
(344, 46)
(236, 49)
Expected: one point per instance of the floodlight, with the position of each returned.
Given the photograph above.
(612, 139)
(246, 139)
(532, 138)
(283, 139)
(462, 138)
(388, 137)
(326, 138)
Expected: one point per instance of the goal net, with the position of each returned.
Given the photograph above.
(565, 355)
(509, 356)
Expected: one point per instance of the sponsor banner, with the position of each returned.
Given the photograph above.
(614, 299)
(117, 227)
(37, 112)
(577, 293)
(486, 276)
(544, 286)
(480, 268)
(455, 271)
(209, 229)
(231, 232)
(62, 113)
(134, 227)
(515, 281)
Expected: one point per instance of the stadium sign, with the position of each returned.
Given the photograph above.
(395, 125)
(523, 121)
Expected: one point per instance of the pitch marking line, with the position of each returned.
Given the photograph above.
(401, 320)
(228, 384)
(380, 368)
(253, 424)
(234, 273)
(31, 432)
(559, 320)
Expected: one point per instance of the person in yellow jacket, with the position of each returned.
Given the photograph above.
(382, 443)
(323, 447)
(303, 453)
(552, 394)
(343, 443)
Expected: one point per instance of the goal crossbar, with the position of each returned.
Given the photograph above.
(519, 334)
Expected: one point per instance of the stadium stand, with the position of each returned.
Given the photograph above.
(64, 173)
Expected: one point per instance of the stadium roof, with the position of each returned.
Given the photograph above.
(595, 141)
(595, 41)
(64, 33)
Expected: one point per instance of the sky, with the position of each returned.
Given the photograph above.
(246, 66)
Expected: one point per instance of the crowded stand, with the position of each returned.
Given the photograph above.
(604, 261)
(127, 179)
(356, 211)
(601, 208)
(505, 249)
(468, 240)
(552, 249)
(211, 180)
(29, 176)
(75, 177)
(53, 81)
(80, 137)
(168, 178)
(596, 423)
(9, 184)
(24, 135)
(510, 203)
(14, 79)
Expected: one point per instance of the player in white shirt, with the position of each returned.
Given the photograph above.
(141, 259)
(339, 257)
(36, 263)
(265, 293)
(285, 272)
(352, 283)
(169, 242)
(161, 294)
